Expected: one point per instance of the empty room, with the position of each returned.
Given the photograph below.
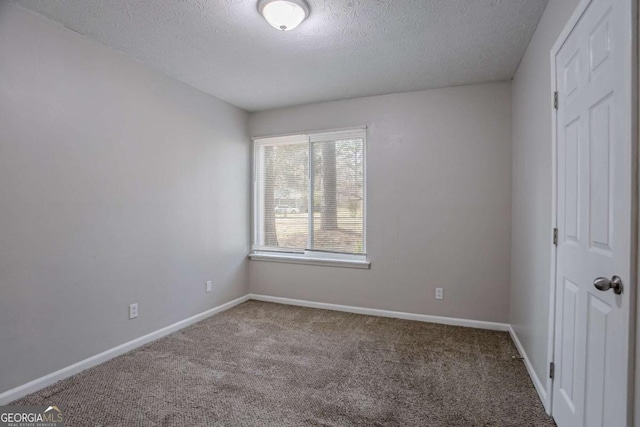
(319, 213)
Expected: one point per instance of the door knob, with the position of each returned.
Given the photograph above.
(603, 284)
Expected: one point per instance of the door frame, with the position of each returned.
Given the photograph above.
(633, 279)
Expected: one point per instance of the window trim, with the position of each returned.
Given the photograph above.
(304, 256)
(312, 258)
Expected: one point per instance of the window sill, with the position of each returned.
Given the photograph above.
(294, 259)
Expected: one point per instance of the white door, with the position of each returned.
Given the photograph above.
(595, 161)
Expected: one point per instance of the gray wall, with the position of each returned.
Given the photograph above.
(636, 405)
(439, 209)
(531, 217)
(117, 185)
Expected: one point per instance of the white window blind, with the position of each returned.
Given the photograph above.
(309, 193)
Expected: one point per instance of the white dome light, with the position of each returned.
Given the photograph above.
(284, 15)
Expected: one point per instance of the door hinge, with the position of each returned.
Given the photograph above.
(555, 237)
(555, 100)
(552, 370)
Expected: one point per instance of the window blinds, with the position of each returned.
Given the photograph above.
(309, 192)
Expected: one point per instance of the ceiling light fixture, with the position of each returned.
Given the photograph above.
(284, 15)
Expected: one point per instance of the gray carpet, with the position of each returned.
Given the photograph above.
(263, 364)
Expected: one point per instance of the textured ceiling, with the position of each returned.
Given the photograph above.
(346, 49)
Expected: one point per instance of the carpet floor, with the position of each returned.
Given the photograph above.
(264, 364)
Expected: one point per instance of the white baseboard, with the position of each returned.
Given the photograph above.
(542, 393)
(42, 382)
(480, 324)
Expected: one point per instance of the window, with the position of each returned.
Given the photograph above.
(309, 198)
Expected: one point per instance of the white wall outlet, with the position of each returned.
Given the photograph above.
(209, 286)
(133, 311)
(439, 293)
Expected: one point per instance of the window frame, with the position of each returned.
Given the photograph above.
(305, 256)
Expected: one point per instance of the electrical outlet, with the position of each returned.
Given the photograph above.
(209, 286)
(133, 311)
(439, 293)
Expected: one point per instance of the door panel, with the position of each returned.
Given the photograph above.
(572, 177)
(568, 350)
(600, 200)
(596, 360)
(594, 218)
(599, 46)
